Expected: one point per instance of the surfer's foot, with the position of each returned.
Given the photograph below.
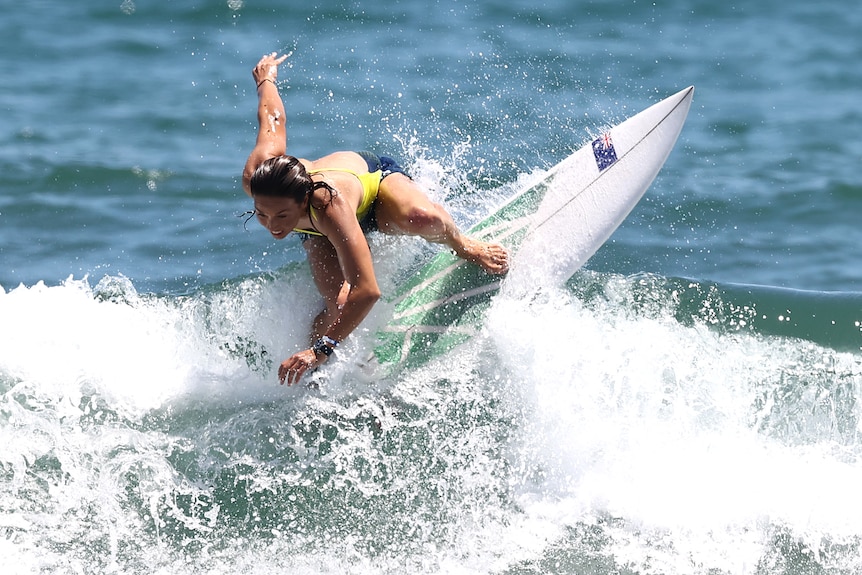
(493, 258)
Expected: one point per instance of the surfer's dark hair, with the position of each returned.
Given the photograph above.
(286, 177)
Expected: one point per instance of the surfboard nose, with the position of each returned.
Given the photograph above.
(591, 192)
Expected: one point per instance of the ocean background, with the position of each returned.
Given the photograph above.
(689, 403)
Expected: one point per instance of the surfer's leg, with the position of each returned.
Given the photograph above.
(403, 208)
(326, 272)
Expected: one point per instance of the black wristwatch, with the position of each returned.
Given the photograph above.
(324, 345)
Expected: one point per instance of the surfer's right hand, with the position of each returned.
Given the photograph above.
(267, 68)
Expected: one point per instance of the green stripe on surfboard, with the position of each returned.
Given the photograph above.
(442, 305)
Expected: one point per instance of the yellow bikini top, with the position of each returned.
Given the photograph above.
(370, 186)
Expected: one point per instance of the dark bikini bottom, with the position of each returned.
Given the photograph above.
(387, 166)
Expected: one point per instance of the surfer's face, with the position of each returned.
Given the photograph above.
(278, 215)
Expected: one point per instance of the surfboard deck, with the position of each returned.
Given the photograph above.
(550, 229)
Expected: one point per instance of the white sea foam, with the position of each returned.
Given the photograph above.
(665, 427)
(678, 444)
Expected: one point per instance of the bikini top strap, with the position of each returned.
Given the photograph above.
(344, 170)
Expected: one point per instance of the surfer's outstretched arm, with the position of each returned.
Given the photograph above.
(404, 208)
(272, 133)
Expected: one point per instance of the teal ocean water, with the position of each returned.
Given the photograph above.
(688, 403)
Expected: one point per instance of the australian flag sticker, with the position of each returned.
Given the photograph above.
(603, 150)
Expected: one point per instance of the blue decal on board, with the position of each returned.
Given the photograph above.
(603, 150)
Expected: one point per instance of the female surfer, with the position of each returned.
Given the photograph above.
(332, 202)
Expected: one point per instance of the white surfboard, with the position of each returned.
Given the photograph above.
(551, 229)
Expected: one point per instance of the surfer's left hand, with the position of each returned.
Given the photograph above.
(292, 369)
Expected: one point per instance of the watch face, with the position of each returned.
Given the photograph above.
(320, 347)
